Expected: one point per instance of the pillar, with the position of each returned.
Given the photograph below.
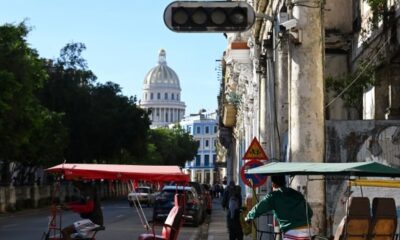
(306, 103)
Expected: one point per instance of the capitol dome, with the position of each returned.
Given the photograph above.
(162, 74)
(162, 94)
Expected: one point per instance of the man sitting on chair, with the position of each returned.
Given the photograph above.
(89, 209)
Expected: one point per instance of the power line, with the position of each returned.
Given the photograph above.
(358, 76)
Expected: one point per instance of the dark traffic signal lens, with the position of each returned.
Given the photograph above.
(208, 16)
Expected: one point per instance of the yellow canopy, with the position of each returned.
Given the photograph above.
(375, 183)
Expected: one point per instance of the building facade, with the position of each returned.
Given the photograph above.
(325, 89)
(203, 127)
(162, 94)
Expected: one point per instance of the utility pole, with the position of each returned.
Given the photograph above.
(306, 99)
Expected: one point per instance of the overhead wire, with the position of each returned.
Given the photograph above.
(359, 74)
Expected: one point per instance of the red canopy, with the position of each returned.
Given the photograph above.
(120, 172)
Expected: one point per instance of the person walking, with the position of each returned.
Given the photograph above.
(232, 202)
(289, 207)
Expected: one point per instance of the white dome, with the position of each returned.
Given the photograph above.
(162, 74)
(162, 95)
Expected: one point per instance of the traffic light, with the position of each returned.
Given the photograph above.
(209, 16)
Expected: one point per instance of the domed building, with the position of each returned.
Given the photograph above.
(162, 94)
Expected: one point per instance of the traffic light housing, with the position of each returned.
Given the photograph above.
(209, 16)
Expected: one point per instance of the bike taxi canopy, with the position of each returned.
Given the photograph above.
(150, 173)
(362, 169)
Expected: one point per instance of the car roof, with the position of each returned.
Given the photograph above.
(187, 188)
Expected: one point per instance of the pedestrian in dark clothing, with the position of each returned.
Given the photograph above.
(232, 202)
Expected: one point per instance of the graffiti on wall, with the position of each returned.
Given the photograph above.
(356, 141)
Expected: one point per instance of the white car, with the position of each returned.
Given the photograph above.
(143, 194)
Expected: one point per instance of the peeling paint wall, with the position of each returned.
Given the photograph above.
(355, 141)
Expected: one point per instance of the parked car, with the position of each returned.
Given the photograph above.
(165, 201)
(201, 194)
(144, 194)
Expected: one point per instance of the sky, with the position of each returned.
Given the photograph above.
(123, 39)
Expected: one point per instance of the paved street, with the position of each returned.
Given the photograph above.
(121, 222)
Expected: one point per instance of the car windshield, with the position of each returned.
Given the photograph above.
(169, 194)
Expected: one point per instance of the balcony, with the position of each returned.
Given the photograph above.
(229, 115)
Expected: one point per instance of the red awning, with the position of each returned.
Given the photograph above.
(120, 172)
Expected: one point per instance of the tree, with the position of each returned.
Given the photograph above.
(30, 134)
(68, 91)
(188, 147)
(175, 146)
(104, 126)
(120, 128)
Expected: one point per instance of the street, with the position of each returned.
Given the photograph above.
(121, 222)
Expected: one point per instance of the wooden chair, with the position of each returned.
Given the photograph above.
(171, 225)
(355, 225)
(384, 219)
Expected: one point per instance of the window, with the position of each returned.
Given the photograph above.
(207, 130)
(207, 143)
(172, 96)
(151, 96)
(165, 96)
(198, 130)
(158, 112)
(166, 117)
(206, 160)
(145, 96)
(177, 97)
(198, 159)
(158, 96)
(215, 129)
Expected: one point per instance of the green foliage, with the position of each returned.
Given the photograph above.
(378, 8)
(30, 134)
(53, 110)
(175, 146)
(104, 126)
(361, 79)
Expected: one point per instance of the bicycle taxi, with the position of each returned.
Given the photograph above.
(129, 174)
(345, 181)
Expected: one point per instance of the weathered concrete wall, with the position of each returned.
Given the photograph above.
(336, 67)
(355, 141)
(339, 15)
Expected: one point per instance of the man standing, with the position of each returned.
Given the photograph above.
(232, 201)
(289, 208)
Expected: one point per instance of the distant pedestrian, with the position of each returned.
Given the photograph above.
(232, 202)
(220, 190)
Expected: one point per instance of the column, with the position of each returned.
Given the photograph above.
(306, 104)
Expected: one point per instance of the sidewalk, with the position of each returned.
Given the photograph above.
(215, 228)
